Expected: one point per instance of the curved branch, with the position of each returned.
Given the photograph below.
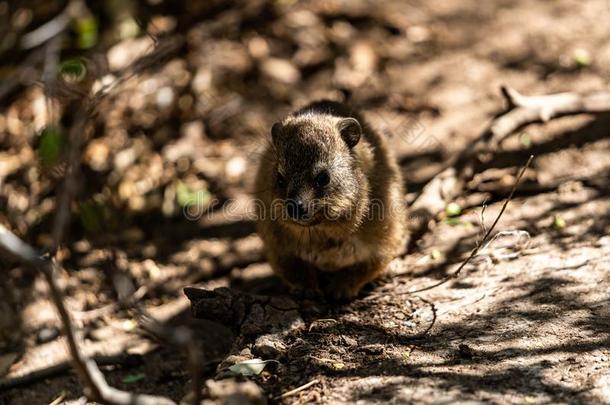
(523, 110)
(526, 110)
(94, 383)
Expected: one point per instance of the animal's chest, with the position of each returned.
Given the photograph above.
(331, 254)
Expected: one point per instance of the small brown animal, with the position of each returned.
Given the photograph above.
(330, 201)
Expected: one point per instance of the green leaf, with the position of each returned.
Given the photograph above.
(582, 57)
(133, 378)
(91, 216)
(187, 197)
(50, 146)
(87, 32)
(525, 140)
(73, 70)
(453, 221)
(453, 209)
(559, 222)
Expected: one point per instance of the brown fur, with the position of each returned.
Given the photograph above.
(364, 228)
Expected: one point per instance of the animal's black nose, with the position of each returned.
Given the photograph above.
(295, 208)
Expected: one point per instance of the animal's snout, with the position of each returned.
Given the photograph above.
(296, 209)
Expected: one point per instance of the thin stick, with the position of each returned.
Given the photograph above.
(529, 109)
(522, 110)
(90, 376)
(34, 376)
(298, 389)
(487, 234)
(51, 29)
(59, 399)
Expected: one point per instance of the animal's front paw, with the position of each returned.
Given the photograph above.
(341, 291)
(306, 293)
(344, 294)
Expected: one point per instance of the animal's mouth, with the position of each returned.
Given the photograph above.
(307, 220)
(301, 213)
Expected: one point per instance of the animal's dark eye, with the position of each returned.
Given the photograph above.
(322, 179)
(280, 180)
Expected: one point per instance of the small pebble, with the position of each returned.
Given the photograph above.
(46, 335)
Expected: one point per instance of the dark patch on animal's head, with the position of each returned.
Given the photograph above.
(316, 176)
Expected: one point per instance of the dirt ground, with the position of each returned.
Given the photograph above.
(527, 321)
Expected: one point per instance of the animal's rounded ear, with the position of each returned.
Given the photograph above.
(276, 129)
(351, 131)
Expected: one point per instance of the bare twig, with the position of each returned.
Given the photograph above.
(87, 108)
(68, 190)
(76, 137)
(92, 379)
(530, 109)
(482, 217)
(159, 50)
(485, 237)
(450, 181)
(62, 367)
(51, 30)
(59, 399)
(54, 27)
(298, 389)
